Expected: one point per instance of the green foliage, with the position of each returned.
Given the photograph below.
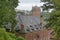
(57, 4)
(54, 20)
(7, 12)
(20, 38)
(8, 36)
(7, 15)
(49, 4)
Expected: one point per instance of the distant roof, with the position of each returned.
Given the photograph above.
(20, 12)
(31, 23)
(28, 20)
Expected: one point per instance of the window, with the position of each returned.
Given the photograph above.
(8, 30)
(32, 29)
(17, 30)
(28, 30)
(30, 25)
(37, 28)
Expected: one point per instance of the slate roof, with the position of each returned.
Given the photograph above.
(31, 23)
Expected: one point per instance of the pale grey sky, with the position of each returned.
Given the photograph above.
(29, 1)
(27, 4)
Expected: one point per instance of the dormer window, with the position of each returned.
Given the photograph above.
(37, 28)
(8, 30)
(32, 29)
(30, 25)
(17, 30)
(28, 30)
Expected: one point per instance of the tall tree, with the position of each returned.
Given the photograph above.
(7, 19)
(54, 19)
(7, 13)
(48, 4)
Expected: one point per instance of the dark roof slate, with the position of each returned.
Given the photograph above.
(29, 22)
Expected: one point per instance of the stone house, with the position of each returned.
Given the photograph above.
(31, 27)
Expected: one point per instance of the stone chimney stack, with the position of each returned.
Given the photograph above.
(22, 27)
(36, 11)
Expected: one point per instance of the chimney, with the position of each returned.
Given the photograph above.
(36, 11)
(22, 27)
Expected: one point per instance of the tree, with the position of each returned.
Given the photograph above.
(8, 36)
(7, 19)
(7, 13)
(54, 19)
(48, 4)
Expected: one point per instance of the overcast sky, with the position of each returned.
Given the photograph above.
(27, 4)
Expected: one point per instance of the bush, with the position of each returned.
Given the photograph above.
(8, 36)
(20, 38)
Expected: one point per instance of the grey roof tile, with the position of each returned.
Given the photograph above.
(28, 21)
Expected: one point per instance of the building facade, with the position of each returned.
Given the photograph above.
(30, 27)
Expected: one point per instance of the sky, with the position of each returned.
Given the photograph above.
(27, 4)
